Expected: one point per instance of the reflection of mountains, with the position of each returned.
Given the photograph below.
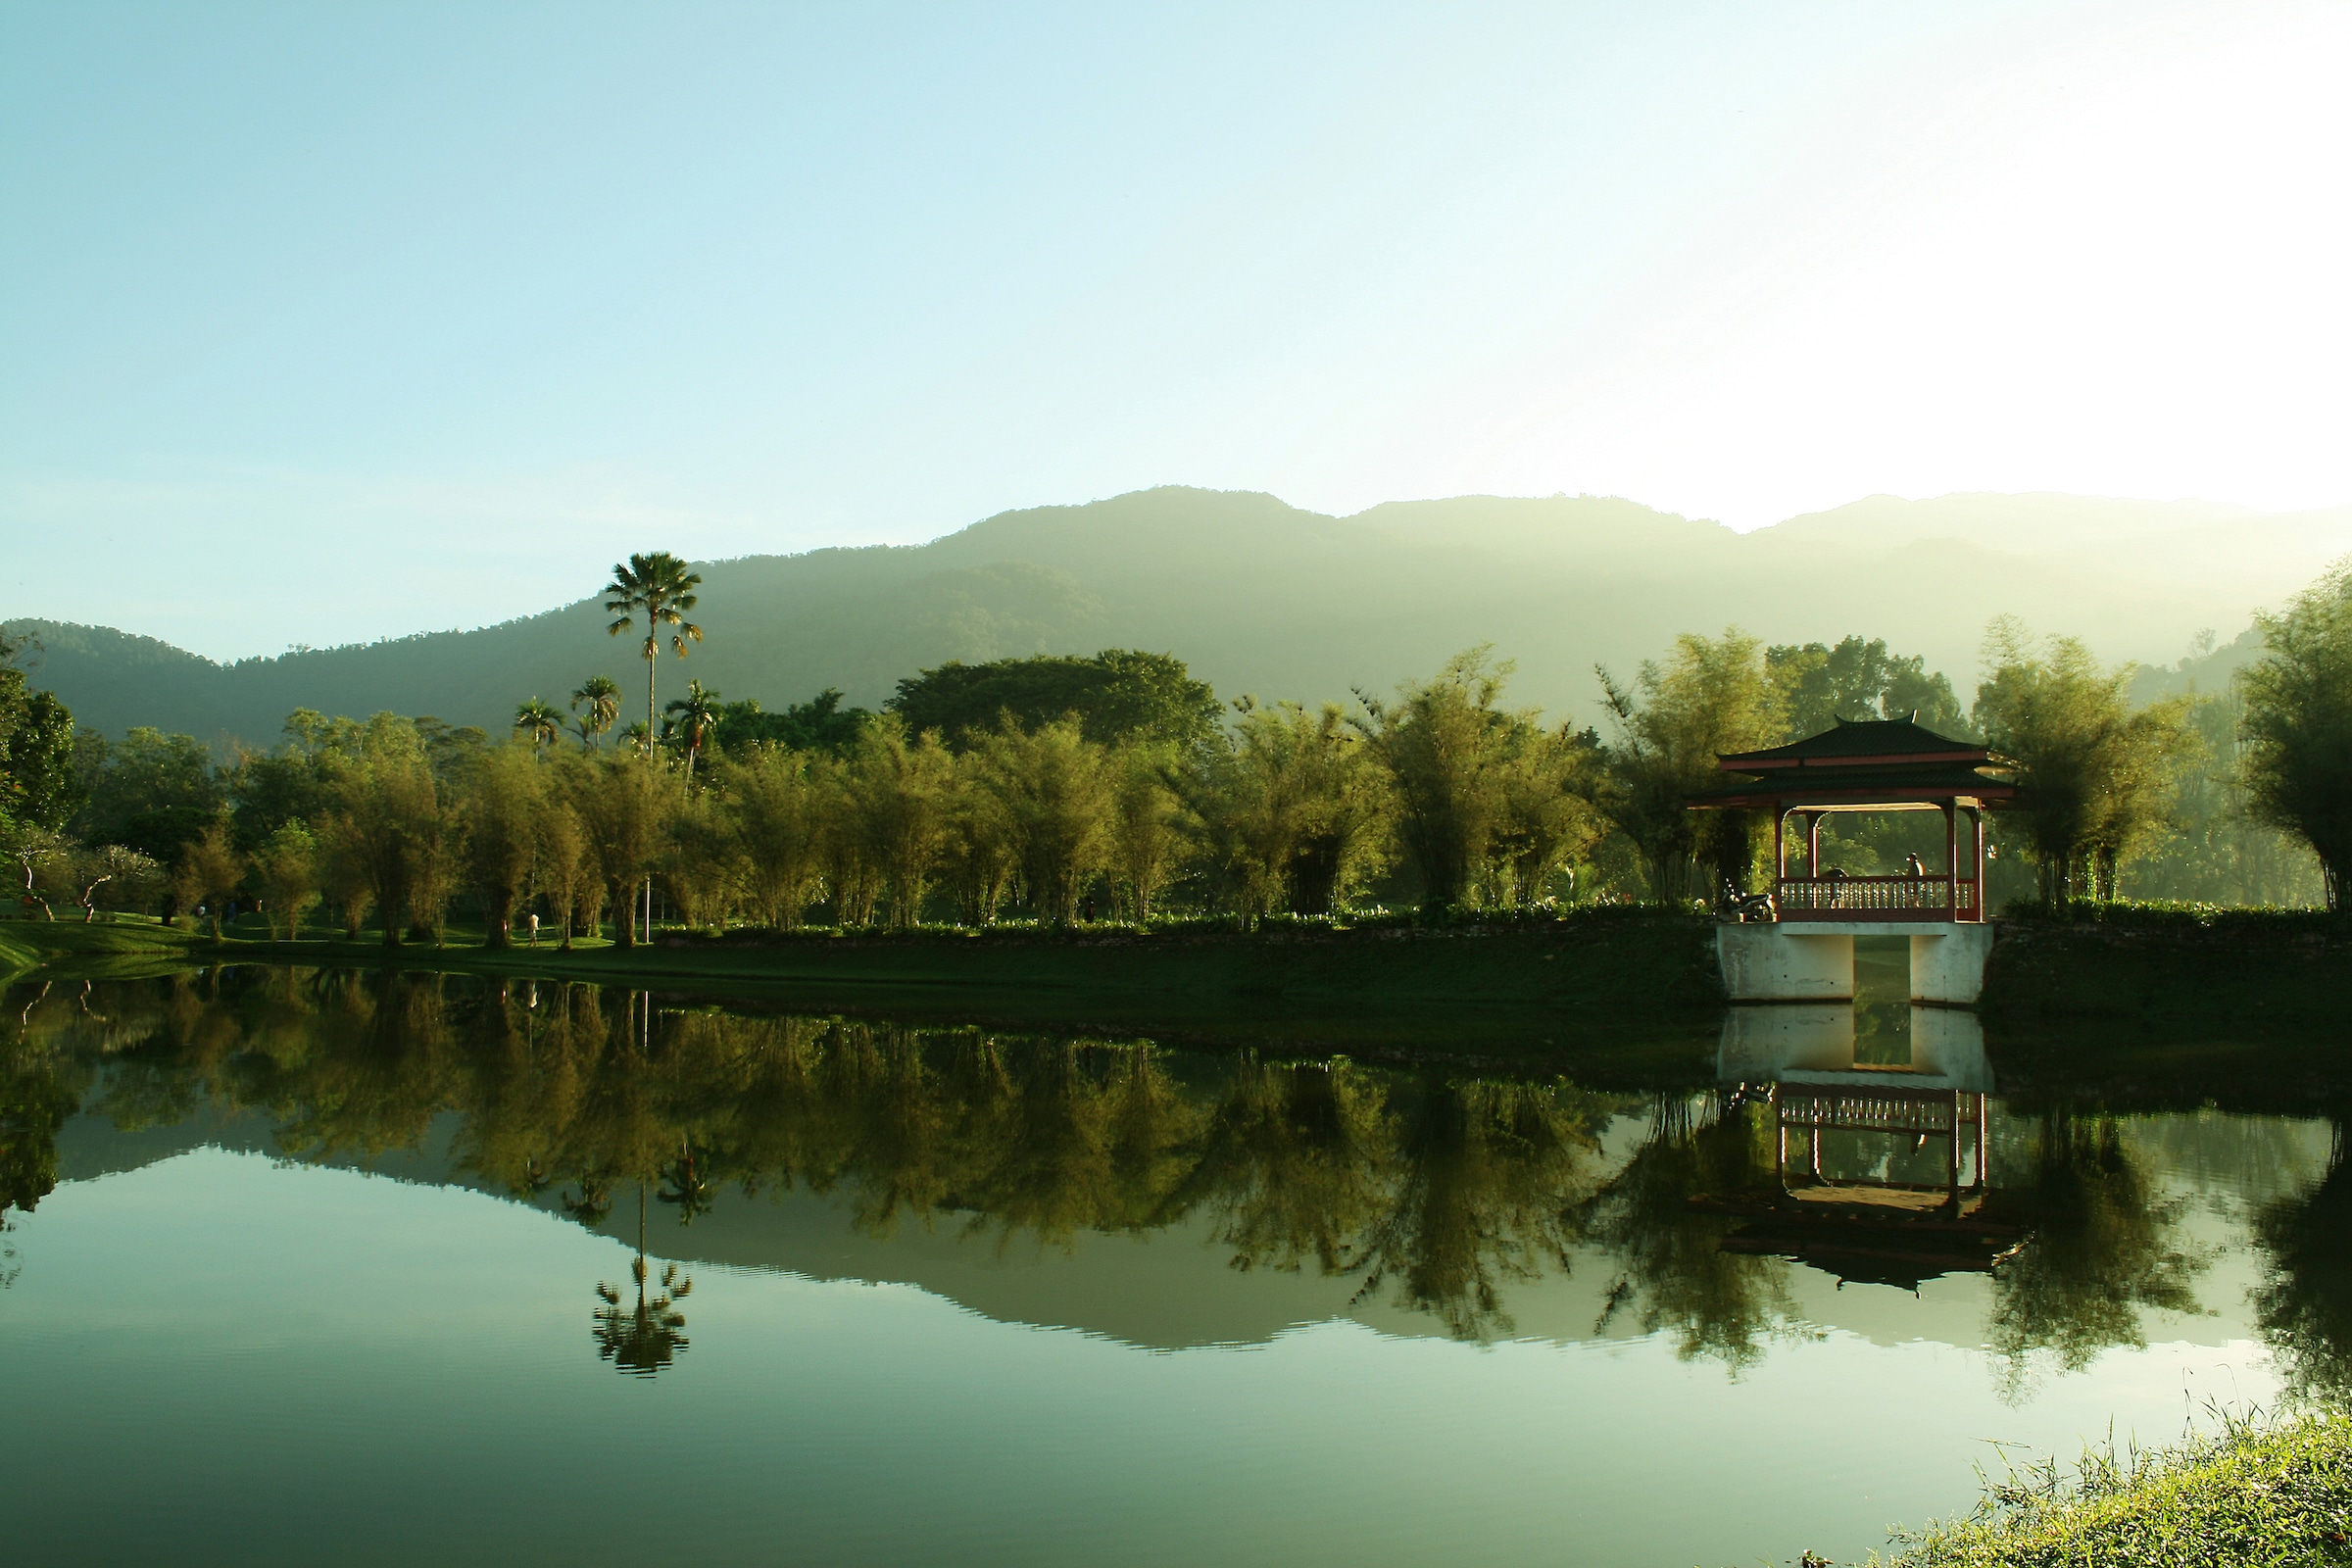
(1161, 1197)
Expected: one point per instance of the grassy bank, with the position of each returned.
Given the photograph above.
(1637, 988)
(104, 948)
(2253, 1496)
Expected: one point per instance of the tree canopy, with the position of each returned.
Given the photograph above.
(820, 724)
(1819, 685)
(38, 786)
(1117, 695)
(2298, 724)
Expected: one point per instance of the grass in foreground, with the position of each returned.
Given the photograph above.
(2251, 1493)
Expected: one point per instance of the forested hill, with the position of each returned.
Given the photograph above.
(1261, 597)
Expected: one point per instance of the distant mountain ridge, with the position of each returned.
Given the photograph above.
(1260, 596)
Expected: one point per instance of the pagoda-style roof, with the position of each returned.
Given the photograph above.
(1861, 743)
(1862, 763)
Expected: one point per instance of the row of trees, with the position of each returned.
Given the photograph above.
(1047, 787)
(1285, 810)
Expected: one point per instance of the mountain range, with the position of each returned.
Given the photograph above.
(1261, 597)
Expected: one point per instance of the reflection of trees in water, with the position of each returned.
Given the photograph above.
(2104, 1246)
(2306, 1305)
(1437, 1195)
(1486, 1185)
(43, 1078)
(1673, 1271)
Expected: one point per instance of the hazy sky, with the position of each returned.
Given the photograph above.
(319, 323)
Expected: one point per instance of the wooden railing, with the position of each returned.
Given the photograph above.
(1876, 898)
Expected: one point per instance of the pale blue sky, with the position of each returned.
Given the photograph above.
(319, 323)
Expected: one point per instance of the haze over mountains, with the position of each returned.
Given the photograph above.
(1258, 596)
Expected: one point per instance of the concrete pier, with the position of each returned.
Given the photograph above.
(1813, 1048)
(1813, 960)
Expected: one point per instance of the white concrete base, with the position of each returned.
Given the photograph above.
(1784, 963)
(1814, 1046)
(1813, 960)
(1947, 963)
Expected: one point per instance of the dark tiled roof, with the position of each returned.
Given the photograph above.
(1915, 780)
(1850, 742)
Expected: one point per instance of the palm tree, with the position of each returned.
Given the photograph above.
(602, 694)
(643, 1340)
(697, 716)
(659, 588)
(540, 721)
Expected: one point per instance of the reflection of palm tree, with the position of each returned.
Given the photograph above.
(685, 1184)
(642, 1339)
(595, 1202)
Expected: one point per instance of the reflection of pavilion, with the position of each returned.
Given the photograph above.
(1879, 1168)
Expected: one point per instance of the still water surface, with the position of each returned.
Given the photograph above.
(364, 1269)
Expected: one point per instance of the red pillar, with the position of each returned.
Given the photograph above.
(1951, 860)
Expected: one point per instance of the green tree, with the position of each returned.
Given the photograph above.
(393, 826)
(700, 861)
(1056, 789)
(1296, 809)
(981, 859)
(1244, 819)
(1819, 685)
(39, 853)
(1116, 695)
(820, 724)
(621, 808)
(2095, 778)
(776, 802)
(601, 696)
(1550, 784)
(1712, 696)
(659, 588)
(1446, 744)
(150, 791)
(39, 781)
(900, 794)
(2298, 725)
(562, 862)
(695, 720)
(211, 871)
(503, 810)
(287, 868)
(1146, 838)
(130, 877)
(346, 883)
(539, 722)
(293, 781)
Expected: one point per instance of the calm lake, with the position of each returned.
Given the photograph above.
(359, 1268)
